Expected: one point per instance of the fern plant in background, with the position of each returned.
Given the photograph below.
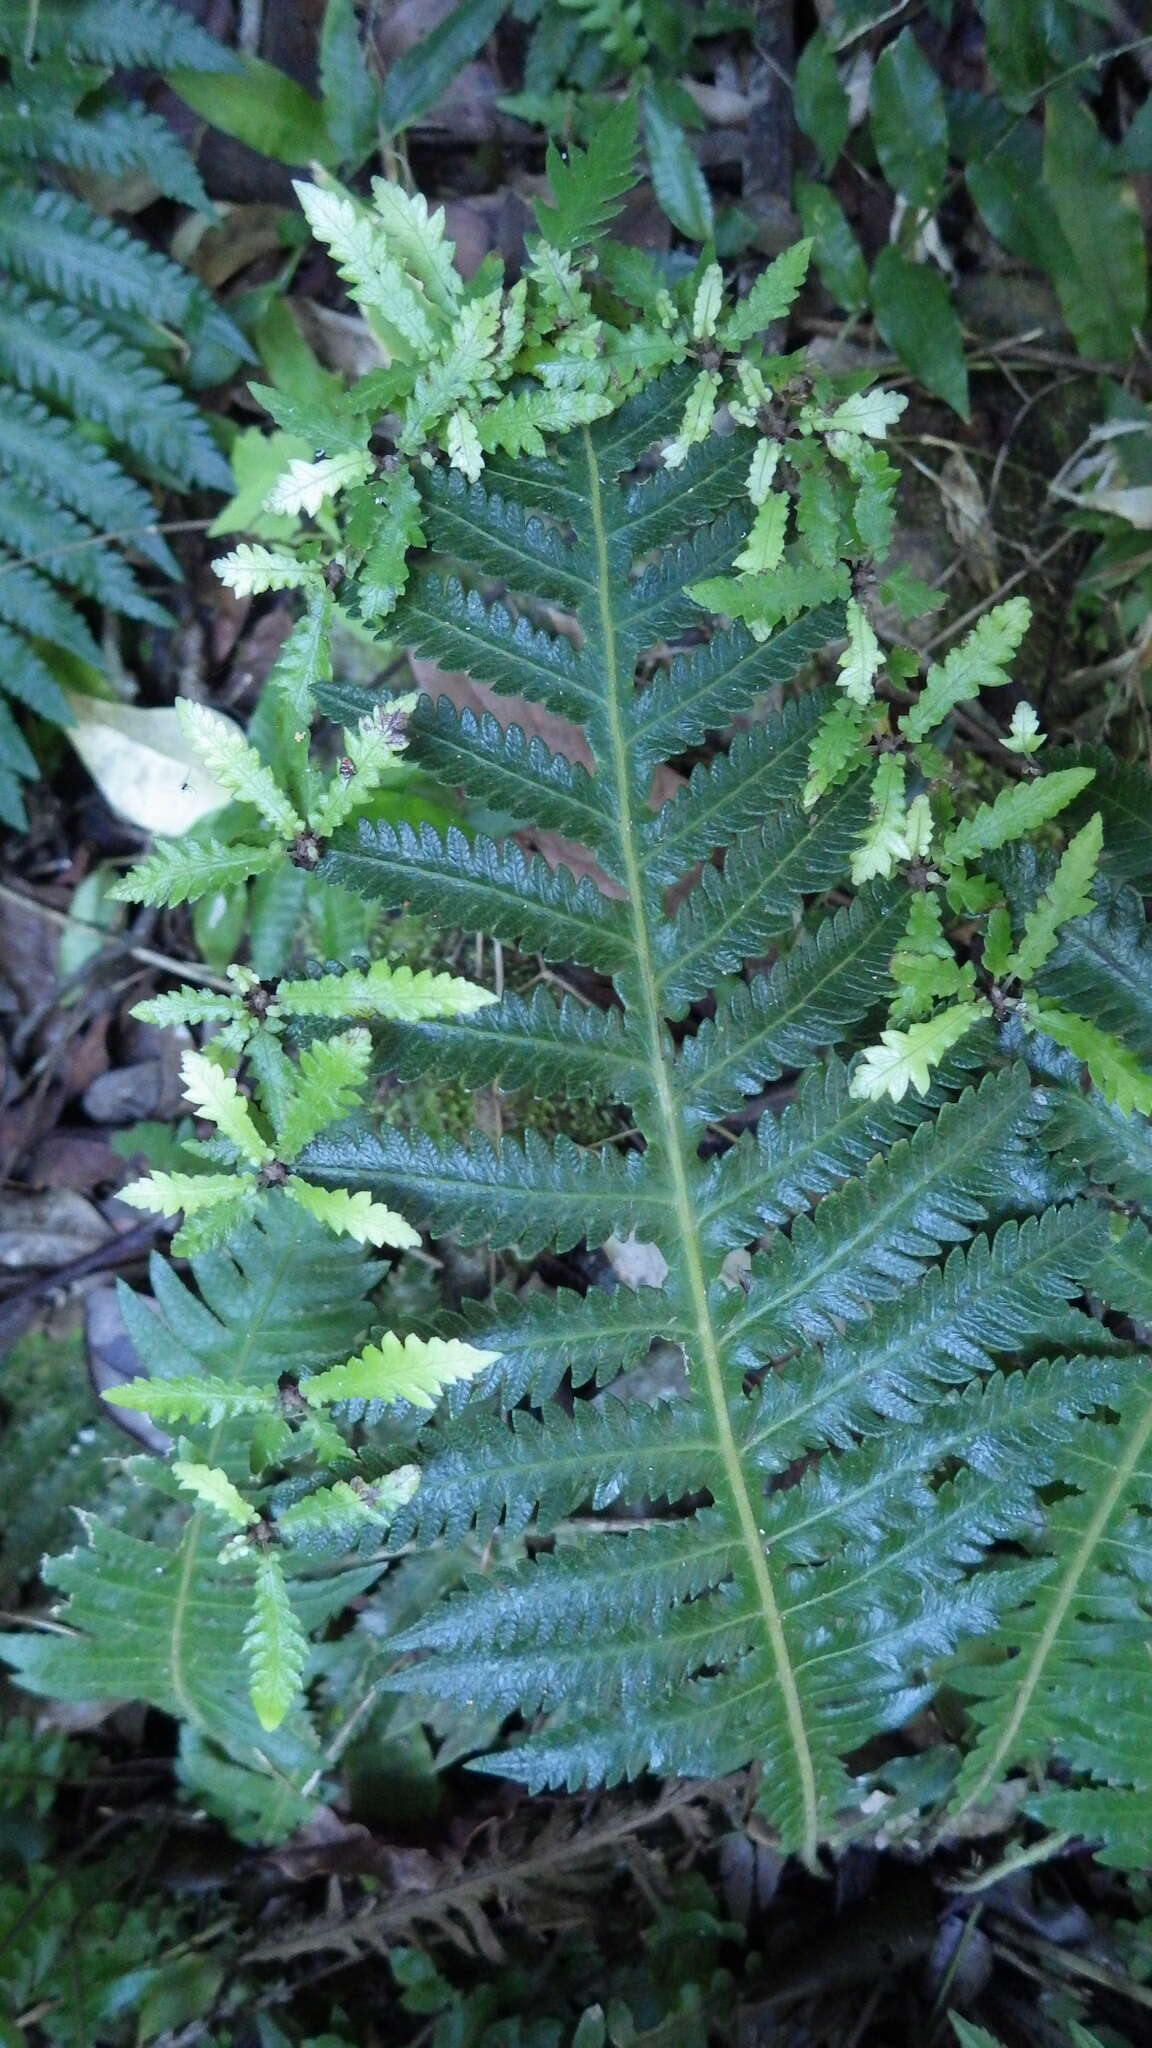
(1044, 175)
(92, 324)
(907, 1441)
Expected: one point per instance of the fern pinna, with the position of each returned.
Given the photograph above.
(90, 416)
(855, 1418)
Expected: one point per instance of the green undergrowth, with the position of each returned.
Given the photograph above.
(99, 332)
(883, 1046)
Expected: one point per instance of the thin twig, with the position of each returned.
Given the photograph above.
(111, 946)
(99, 540)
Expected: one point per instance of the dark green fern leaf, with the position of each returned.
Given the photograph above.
(168, 1627)
(511, 772)
(538, 1044)
(589, 185)
(53, 243)
(78, 295)
(46, 451)
(479, 884)
(527, 1195)
(1102, 969)
(106, 144)
(886, 1281)
(117, 33)
(1110, 1149)
(65, 354)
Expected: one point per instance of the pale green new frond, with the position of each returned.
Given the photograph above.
(305, 658)
(414, 1369)
(835, 750)
(275, 1644)
(216, 1490)
(415, 236)
(186, 1006)
(404, 994)
(353, 1214)
(762, 469)
(250, 570)
(236, 766)
(765, 543)
(461, 370)
(886, 839)
(1019, 809)
(358, 244)
(207, 1398)
(857, 666)
(305, 486)
(906, 1059)
(696, 419)
(1069, 894)
(327, 1084)
(328, 1513)
(217, 1096)
(463, 446)
(707, 303)
(169, 1194)
(182, 872)
(976, 664)
(1115, 1069)
(1024, 735)
(373, 749)
(924, 966)
(517, 424)
(866, 412)
(770, 296)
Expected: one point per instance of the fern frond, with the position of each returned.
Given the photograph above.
(1073, 1656)
(1102, 969)
(525, 1195)
(763, 767)
(275, 1644)
(494, 1475)
(816, 1143)
(48, 453)
(538, 1338)
(24, 676)
(865, 1243)
(812, 998)
(479, 884)
(67, 354)
(1110, 1148)
(167, 1624)
(56, 243)
(702, 693)
(729, 919)
(412, 1369)
(107, 144)
(329, 1079)
(112, 32)
(206, 1398)
(29, 602)
(70, 551)
(1122, 793)
(499, 536)
(539, 1044)
(401, 994)
(786, 1620)
(177, 872)
(589, 186)
(511, 772)
(458, 629)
